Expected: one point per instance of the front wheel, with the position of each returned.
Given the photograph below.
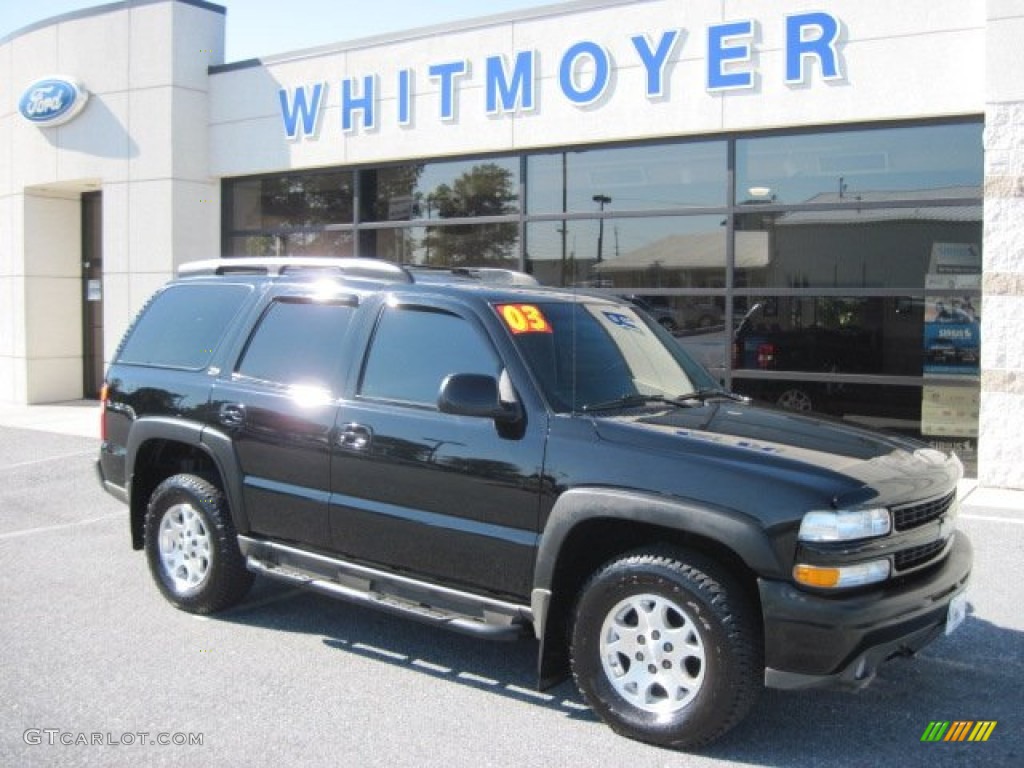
(795, 399)
(192, 548)
(666, 649)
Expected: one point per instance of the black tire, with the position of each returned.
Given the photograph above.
(192, 547)
(647, 684)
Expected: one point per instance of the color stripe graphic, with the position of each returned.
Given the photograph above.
(959, 730)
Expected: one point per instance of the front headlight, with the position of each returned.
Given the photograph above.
(845, 525)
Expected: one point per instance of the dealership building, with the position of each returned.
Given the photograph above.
(826, 207)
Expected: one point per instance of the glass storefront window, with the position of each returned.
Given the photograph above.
(944, 416)
(657, 177)
(448, 190)
(856, 288)
(646, 252)
(292, 200)
(860, 248)
(830, 334)
(458, 245)
(323, 243)
(876, 165)
(873, 405)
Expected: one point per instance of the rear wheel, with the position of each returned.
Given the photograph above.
(192, 548)
(666, 649)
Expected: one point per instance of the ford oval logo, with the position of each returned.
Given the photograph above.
(52, 100)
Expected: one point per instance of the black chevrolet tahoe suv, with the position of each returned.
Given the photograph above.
(508, 461)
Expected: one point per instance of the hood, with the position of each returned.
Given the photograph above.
(854, 465)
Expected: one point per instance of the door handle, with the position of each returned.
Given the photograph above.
(355, 437)
(232, 415)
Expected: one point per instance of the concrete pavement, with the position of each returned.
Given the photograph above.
(82, 418)
(76, 417)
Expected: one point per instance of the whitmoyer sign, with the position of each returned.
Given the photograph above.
(585, 73)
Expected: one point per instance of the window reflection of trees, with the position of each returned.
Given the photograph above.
(393, 192)
(316, 243)
(485, 190)
(297, 201)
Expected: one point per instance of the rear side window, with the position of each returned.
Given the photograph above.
(182, 326)
(297, 343)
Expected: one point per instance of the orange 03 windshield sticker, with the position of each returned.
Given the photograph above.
(523, 318)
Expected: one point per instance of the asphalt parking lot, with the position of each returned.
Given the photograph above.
(92, 653)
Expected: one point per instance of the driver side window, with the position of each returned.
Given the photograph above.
(415, 348)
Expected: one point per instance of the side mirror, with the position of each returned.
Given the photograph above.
(473, 394)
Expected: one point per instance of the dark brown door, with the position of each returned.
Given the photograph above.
(92, 293)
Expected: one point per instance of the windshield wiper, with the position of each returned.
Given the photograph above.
(631, 401)
(708, 393)
(682, 401)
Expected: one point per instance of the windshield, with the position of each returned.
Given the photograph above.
(590, 354)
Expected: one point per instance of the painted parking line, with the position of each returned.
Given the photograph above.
(61, 457)
(61, 527)
(992, 518)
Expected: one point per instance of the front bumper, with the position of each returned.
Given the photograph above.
(814, 641)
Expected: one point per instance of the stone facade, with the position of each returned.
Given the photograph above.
(1001, 421)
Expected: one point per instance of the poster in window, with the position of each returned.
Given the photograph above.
(952, 340)
(952, 319)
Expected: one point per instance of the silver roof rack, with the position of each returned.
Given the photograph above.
(490, 275)
(374, 269)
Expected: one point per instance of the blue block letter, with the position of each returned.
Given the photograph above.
(655, 61)
(404, 96)
(567, 73)
(364, 103)
(301, 106)
(447, 73)
(820, 44)
(720, 52)
(518, 92)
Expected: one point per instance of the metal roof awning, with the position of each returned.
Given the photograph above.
(700, 250)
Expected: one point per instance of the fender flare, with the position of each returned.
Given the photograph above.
(734, 530)
(221, 449)
(217, 446)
